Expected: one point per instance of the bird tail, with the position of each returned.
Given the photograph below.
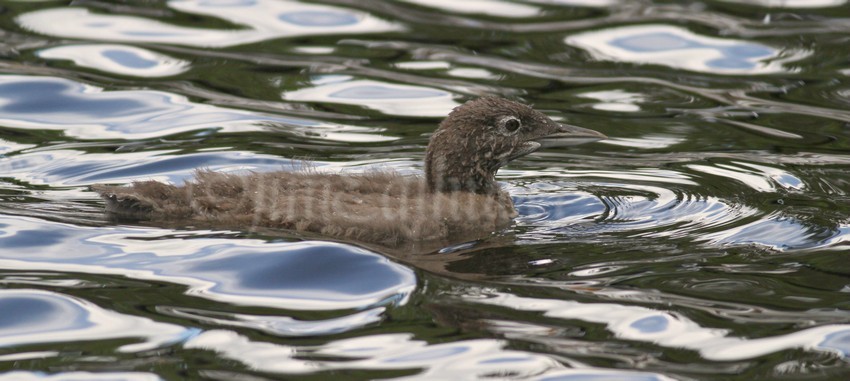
(135, 201)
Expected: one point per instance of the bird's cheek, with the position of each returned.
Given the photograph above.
(501, 158)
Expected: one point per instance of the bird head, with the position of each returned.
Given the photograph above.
(482, 135)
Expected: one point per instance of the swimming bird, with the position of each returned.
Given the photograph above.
(457, 200)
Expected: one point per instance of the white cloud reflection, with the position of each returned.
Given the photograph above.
(49, 317)
(498, 8)
(679, 48)
(88, 112)
(388, 98)
(118, 59)
(790, 3)
(259, 20)
(475, 359)
(671, 329)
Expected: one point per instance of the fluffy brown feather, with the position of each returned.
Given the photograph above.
(384, 208)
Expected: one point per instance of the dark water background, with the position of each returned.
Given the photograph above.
(706, 240)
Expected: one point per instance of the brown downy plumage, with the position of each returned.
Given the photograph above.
(457, 200)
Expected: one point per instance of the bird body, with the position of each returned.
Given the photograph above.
(381, 207)
(457, 200)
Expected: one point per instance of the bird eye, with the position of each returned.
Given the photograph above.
(512, 124)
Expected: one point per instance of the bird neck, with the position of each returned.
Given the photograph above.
(452, 171)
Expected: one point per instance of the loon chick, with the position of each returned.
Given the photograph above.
(458, 199)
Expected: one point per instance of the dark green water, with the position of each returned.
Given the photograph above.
(707, 239)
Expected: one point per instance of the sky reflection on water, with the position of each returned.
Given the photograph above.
(387, 98)
(471, 358)
(664, 211)
(487, 7)
(299, 276)
(118, 59)
(88, 112)
(791, 3)
(281, 325)
(681, 49)
(79, 376)
(674, 330)
(46, 317)
(257, 20)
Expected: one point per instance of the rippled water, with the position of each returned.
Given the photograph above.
(707, 239)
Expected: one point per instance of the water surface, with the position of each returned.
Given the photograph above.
(707, 239)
